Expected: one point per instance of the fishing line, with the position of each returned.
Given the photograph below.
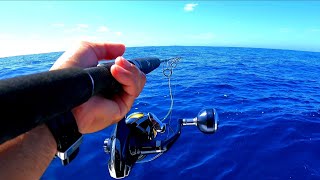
(167, 70)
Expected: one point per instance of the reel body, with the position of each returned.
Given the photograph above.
(134, 137)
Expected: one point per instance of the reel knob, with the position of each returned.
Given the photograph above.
(206, 120)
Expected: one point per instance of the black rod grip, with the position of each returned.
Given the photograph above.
(103, 81)
(30, 100)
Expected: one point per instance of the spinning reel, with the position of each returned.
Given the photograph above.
(134, 138)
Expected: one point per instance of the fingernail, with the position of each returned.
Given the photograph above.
(124, 62)
(119, 58)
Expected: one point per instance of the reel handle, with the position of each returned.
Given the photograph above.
(207, 121)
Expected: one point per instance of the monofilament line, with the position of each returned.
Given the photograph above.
(168, 71)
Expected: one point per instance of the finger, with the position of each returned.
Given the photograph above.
(124, 63)
(125, 78)
(124, 71)
(131, 78)
(106, 50)
(87, 54)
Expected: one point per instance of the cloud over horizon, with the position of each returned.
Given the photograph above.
(190, 7)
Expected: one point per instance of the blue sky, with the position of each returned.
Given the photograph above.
(45, 26)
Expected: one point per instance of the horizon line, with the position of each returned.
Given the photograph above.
(248, 47)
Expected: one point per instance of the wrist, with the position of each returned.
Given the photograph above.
(49, 145)
(28, 155)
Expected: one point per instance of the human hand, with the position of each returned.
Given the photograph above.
(98, 112)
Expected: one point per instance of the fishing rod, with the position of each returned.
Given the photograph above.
(30, 100)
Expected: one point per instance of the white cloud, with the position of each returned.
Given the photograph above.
(102, 29)
(4, 36)
(190, 7)
(13, 45)
(19, 46)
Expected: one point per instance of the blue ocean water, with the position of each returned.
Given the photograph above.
(268, 103)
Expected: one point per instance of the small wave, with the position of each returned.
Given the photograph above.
(277, 98)
(223, 86)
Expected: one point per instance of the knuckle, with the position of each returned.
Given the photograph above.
(134, 69)
(116, 120)
(136, 92)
